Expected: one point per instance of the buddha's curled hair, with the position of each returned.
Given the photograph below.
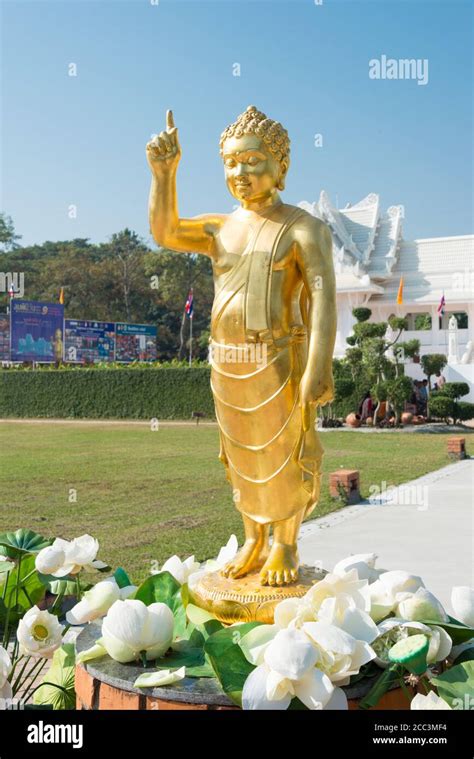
(255, 122)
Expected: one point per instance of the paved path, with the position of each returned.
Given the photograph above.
(424, 526)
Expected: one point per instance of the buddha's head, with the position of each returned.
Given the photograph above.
(256, 155)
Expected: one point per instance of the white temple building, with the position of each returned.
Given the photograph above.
(370, 257)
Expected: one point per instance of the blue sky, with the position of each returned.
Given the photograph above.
(80, 140)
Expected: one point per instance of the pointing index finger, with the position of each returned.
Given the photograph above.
(169, 120)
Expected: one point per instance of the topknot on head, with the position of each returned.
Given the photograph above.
(253, 121)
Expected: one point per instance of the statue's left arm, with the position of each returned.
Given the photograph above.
(313, 247)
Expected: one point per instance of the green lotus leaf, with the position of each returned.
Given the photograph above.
(228, 660)
(57, 690)
(22, 542)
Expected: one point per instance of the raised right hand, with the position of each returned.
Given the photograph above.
(163, 152)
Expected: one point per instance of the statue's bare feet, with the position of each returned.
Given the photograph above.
(249, 557)
(281, 567)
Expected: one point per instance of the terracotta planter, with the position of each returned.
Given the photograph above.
(407, 418)
(353, 420)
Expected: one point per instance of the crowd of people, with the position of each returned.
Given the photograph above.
(417, 404)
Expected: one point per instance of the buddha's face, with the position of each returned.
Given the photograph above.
(251, 172)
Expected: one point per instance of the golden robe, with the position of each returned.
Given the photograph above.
(273, 466)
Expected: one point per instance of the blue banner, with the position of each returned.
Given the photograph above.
(135, 342)
(88, 342)
(36, 331)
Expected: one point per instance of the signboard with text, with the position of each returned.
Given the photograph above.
(36, 331)
(88, 342)
(135, 342)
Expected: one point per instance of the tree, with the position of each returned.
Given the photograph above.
(368, 355)
(124, 255)
(177, 273)
(398, 391)
(433, 363)
(8, 238)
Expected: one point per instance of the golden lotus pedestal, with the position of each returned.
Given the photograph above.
(244, 599)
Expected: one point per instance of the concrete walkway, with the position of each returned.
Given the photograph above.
(424, 527)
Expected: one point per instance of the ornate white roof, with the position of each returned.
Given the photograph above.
(370, 254)
(431, 267)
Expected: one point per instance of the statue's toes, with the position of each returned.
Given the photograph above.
(227, 570)
(287, 576)
(272, 580)
(294, 575)
(279, 578)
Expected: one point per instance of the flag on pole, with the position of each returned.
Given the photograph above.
(400, 292)
(189, 307)
(11, 290)
(441, 306)
(61, 296)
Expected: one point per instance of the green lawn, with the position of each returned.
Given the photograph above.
(146, 495)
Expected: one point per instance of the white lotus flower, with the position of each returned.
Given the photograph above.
(364, 563)
(398, 581)
(421, 605)
(338, 600)
(352, 620)
(162, 677)
(39, 633)
(462, 601)
(287, 611)
(225, 555)
(386, 593)
(97, 601)
(394, 629)
(180, 569)
(131, 628)
(66, 557)
(339, 654)
(50, 560)
(346, 589)
(5, 671)
(287, 671)
(429, 702)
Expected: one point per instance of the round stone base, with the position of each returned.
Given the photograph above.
(104, 684)
(245, 599)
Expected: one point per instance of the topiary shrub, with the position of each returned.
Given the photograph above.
(364, 330)
(361, 314)
(398, 322)
(432, 363)
(442, 407)
(454, 390)
(398, 391)
(464, 411)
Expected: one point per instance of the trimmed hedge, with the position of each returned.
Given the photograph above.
(163, 393)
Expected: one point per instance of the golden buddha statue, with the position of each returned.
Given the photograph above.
(273, 329)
